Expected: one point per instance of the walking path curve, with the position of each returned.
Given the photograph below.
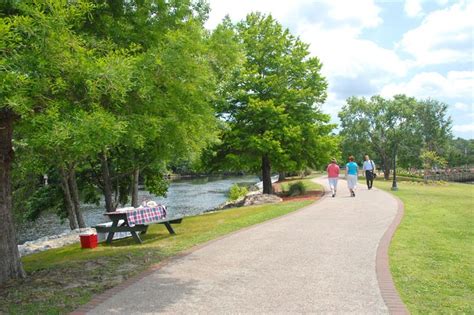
(320, 259)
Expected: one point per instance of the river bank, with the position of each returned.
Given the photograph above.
(254, 197)
(52, 241)
(185, 197)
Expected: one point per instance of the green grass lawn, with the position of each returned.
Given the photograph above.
(432, 252)
(60, 280)
(430, 256)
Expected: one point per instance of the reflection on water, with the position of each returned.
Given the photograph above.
(185, 197)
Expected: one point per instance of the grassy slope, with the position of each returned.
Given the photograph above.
(62, 279)
(432, 253)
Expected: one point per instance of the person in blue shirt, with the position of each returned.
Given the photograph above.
(352, 171)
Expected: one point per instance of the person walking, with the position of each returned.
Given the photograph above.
(369, 169)
(352, 171)
(333, 176)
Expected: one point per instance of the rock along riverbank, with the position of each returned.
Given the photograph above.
(53, 241)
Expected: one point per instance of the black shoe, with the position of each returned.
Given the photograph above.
(353, 194)
(333, 195)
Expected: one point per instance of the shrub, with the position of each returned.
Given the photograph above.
(237, 191)
(307, 171)
(296, 189)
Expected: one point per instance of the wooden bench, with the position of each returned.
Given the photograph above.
(120, 224)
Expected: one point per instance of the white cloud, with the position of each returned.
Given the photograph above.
(457, 85)
(413, 8)
(237, 10)
(464, 107)
(333, 29)
(444, 36)
(357, 66)
(333, 106)
(464, 128)
(343, 54)
(364, 12)
(359, 14)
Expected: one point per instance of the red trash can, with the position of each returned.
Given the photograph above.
(88, 240)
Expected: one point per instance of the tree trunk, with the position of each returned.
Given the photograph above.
(75, 197)
(107, 189)
(136, 174)
(386, 167)
(10, 263)
(266, 175)
(68, 198)
(281, 176)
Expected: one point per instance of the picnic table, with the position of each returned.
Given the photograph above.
(135, 220)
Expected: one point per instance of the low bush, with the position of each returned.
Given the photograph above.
(296, 189)
(237, 192)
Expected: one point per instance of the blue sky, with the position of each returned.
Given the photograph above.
(419, 48)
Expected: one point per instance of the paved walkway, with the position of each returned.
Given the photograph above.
(317, 260)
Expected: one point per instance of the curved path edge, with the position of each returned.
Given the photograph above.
(101, 297)
(387, 287)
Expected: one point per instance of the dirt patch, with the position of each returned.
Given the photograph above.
(309, 195)
(277, 186)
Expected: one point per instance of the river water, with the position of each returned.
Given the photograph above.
(185, 197)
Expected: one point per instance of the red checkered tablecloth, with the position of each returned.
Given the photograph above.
(145, 215)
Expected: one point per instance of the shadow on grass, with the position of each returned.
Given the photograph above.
(146, 239)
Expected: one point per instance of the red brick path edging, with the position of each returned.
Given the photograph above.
(388, 290)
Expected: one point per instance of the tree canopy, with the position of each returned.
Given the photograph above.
(97, 94)
(401, 126)
(272, 103)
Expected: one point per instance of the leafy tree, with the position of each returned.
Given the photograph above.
(400, 127)
(168, 110)
(461, 152)
(102, 89)
(434, 125)
(35, 38)
(272, 100)
(363, 129)
(431, 159)
(64, 142)
(432, 128)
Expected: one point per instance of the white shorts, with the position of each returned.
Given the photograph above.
(332, 182)
(351, 181)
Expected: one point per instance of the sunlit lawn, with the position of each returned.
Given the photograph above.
(60, 280)
(432, 253)
(430, 256)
